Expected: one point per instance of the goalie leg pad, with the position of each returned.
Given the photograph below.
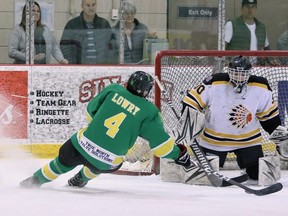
(196, 176)
(269, 170)
(169, 171)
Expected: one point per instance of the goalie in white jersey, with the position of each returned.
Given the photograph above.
(234, 104)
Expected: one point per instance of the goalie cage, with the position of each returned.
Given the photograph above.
(180, 70)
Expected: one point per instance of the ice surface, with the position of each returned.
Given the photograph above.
(111, 195)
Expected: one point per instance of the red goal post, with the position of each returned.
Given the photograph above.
(180, 70)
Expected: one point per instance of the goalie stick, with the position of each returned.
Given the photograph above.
(261, 192)
(203, 163)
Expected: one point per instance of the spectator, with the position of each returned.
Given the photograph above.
(282, 44)
(44, 42)
(135, 33)
(85, 38)
(248, 33)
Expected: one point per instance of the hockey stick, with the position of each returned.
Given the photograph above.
(202, 159)
(265, 191)
(261, 192)
(165, 93)
(204, 164)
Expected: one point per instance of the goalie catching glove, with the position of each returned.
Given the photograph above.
(184, 158)
(280, 138)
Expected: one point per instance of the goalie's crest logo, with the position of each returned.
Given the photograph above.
(240, 116)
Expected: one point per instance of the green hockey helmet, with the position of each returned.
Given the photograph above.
(140, 83)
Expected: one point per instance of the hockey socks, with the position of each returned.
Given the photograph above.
(51, 171)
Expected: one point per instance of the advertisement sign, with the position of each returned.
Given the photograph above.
(13, 106)
(59, 95)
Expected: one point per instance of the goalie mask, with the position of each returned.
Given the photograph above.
(140, 83)
(239, 72)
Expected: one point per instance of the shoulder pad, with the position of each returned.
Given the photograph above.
(260, 80)
(216, 77)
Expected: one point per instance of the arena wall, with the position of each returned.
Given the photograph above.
(41, 106)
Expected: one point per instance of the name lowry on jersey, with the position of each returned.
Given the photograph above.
(125, 104)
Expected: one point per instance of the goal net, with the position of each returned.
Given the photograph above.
(181, 70)
(140, 160)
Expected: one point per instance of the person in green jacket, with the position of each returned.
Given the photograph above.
(246, 32)
(117, 116)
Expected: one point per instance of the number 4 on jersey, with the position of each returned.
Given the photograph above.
(113, 123)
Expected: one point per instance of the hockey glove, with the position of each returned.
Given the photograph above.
(184, 158)
(280, 138)
(279, 135)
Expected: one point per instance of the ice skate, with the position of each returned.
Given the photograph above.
(77, 181)
(31, 182)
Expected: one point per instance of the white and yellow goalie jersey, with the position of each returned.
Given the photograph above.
(232, 119)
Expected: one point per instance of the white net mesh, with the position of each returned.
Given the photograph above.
(139, 160)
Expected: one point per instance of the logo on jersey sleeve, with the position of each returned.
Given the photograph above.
(240, 116)
(208, 79)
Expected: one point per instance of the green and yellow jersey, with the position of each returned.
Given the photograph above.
(117, 117)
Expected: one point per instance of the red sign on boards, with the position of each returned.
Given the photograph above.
(14, 104)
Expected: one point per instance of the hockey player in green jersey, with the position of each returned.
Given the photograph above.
(117, 116)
